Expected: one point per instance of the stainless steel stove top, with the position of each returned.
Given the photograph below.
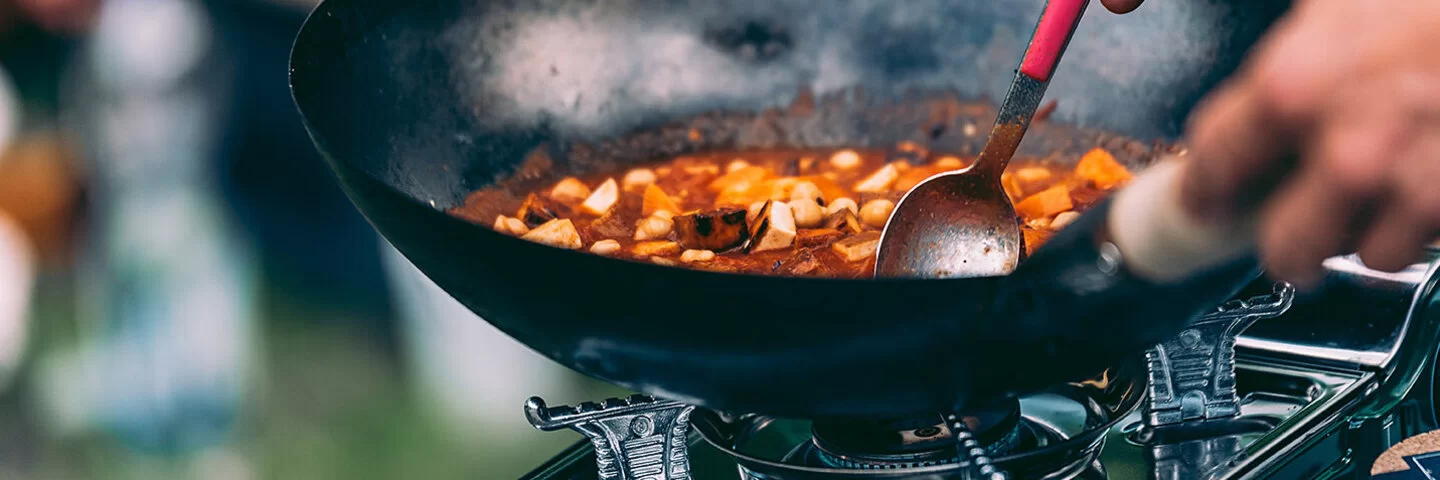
(1319, 386)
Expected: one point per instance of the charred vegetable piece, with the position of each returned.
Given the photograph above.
(858, 247)
(716, 230)
(843, 220)
(536, 211)
(775, 228)
(559, 233)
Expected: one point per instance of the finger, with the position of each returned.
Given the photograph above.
(1410, 219)
(1237, 152)
(1122, 6)
(1344, 175)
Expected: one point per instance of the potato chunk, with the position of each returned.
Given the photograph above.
(570, 190)
(692, 256)
(718, 229)
(845, 159)
(558, 233)
(638, 178)
(604, 197)
(510, 226)
(775, 228)
(605, 247)
(857, 247)
(880, 181)
(656, 247)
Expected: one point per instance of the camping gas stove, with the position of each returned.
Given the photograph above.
(1317, 387)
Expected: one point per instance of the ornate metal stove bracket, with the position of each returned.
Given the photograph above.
(635, 438)
(1192, 376)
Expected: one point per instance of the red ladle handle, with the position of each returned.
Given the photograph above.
(1057, 24)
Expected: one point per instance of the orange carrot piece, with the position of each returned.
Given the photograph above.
(656, 199)
(748, 175)
(1101, 169)
(1049, 202)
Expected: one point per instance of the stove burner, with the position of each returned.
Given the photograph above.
(914, 441)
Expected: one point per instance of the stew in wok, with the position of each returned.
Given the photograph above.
(782, 212)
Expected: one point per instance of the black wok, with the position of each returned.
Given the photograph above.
(415, 104)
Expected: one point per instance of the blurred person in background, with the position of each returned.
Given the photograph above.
(230, 314)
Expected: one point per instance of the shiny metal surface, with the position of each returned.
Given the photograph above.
(1356, 317)
(1192, 376)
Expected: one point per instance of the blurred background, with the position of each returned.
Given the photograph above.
(185, 293)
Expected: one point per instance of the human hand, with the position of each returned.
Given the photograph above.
(1330, 134)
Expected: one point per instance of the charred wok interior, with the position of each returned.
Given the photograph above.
(800, 212)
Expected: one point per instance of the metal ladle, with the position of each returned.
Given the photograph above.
(963, 224)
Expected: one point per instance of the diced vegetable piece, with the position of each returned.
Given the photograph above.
(741, 179)
(806, 190)
(781, 188)
(559, 233)
(876, 212)
(844, 220)
(949, 163)
(810, 237)
(536, 211)
(736, 164)
(655, 247)
(774, 230)
(510, 226)
(857, 247)
(570, 190)
(1049, 202)
(604, 197)
(655, 199)
(845, 159)
(692, 256)
(754, 210)
(1011, 186)
(880, 181)
(653, 227)
(663, 261)
(1101, 169)
(638, 178)
(605, 247)
(745, 191)
(1032, 174)
(913, 177)
(1064, 219)
(828, 188)
(807, 213)
(719, 229)
(842, 203)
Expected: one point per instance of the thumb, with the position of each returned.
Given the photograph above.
(1121, 6)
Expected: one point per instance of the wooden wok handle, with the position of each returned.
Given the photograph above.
(1159, 240)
